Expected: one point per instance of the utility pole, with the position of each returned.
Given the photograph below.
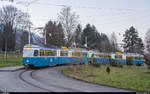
(5, 47)
(29, 41)
(39, 30)
(27, 4)
(45, 37)
(74, 43)
(44, 34)
(86, 41)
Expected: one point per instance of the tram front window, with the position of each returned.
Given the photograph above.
(35, 52)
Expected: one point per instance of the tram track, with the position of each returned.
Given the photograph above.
(28, 82)
(33, 73)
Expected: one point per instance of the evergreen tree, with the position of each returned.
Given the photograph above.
(54, 34)
(132, 42)
(61, 35)
(95, 40)
(77, 35)
(89, 32)
(105, 45)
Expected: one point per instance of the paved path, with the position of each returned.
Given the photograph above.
(47, 79)
(11, 68)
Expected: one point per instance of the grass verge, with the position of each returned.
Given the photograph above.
(12, 60)
(129, 77)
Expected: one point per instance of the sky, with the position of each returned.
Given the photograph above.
(107, 15)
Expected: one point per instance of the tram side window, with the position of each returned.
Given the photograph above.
(97, 55)
(109, 56)
(118, 56)
(84, 54)
(51, 53)
(141, 58)
(36, 52)
(64, 53)
(138, 58)
(46, 52)
(76, 54)
(129, 57)
(102, 55)
(41, 52)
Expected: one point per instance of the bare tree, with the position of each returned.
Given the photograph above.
(147, 41)
(12, 19)
(113, 41)
(69, 22)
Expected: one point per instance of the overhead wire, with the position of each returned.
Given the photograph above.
(124, 14)
(110, 9)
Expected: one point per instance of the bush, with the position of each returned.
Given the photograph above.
(129, 61)
(95, 64)
(148, 63)
(119, 64)
(92, 59)
(108, 70)
(148, 67)
(138, 64)
(114, 63)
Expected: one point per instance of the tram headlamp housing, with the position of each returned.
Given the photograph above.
(27, 61)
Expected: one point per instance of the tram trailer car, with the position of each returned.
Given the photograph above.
(36, 56)
(104, 58)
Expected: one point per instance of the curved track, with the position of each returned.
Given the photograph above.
(29, 82)
(48, 79)
(42, 83)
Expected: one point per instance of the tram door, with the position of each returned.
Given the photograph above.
(52, 56)
(43, 58)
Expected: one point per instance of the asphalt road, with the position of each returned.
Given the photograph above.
(47, 79)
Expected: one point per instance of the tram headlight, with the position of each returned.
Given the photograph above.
(27, 61)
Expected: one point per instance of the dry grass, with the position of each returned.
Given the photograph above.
(12, 60)
(128, 77)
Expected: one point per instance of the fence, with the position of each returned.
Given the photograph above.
(10, 59)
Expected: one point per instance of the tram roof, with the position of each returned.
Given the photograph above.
(42, 47)
(31, 46)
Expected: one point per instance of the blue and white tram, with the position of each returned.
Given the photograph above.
(37, 56)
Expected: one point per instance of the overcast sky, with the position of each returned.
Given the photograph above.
(107, 15)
